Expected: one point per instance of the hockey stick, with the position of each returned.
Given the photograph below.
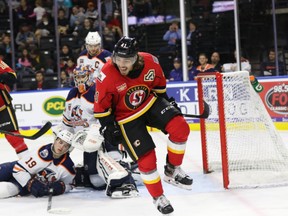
(205, 113)
(55, 210)
(50, 194)
(39, 133)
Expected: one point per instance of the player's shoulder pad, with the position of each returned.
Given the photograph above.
(149, 57)
(72, 93)
(45, 152)
(89, 95)
(106, 53)
(105, 69)
(84, 52)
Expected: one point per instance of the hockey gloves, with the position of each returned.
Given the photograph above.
(110, 131)
(39, 188)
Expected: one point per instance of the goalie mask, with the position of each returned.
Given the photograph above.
(125, 54)
(62, 143)
(83, 78)
(93, 43)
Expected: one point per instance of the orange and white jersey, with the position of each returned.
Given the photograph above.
(43, 163)
(94, 62)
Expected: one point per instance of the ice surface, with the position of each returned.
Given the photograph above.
(208, 197)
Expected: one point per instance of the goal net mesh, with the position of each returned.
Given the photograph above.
(256, 154)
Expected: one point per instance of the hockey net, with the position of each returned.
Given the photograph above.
(239, 138)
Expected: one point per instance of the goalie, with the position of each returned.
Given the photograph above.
(100, 168)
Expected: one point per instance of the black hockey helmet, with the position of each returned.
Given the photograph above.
(126, 47)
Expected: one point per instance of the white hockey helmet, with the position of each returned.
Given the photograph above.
(67, 137)
(93, 38)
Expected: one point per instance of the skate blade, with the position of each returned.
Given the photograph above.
(171, 181)
(119, 195)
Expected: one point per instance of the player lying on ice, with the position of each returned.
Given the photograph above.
(101, 166)
(39, 170)
(131, 95)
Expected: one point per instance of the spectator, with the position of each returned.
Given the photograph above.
(25, 60)
(65, 81)
(44, 28)
(268, 67)
(192, 71)
(177, 73)
(24, 14)
(230, 67)
(193, 38)
(69, 67)
(24, 65)
(82, 32)
(63, 22)
(38, 11)
(39, 62)
(115, 24)
(215, 61)
(108, 39)
(40, 83)
(204, 66)
(172, 36)
(108, 8)
(66, 53)
(77, 17)
(25, 38)
(2, 7)
(91, 11)
(6, 49)
(142, 8)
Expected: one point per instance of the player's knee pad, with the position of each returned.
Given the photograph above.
(178, 129)
(8, 189)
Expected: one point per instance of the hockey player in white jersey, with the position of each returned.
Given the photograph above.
(93, 56)
(49, 167)
(100, 169)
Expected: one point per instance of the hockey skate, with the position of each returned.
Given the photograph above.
(176, 176)
(124, 191)
(163, 205)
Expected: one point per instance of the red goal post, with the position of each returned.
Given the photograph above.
(239, 138)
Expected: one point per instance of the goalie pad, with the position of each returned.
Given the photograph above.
(88, 140)
(120, 183)
(108, 168)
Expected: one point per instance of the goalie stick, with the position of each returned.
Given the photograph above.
(205, 113)
(39, 133)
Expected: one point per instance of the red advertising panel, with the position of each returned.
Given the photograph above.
(275, 98)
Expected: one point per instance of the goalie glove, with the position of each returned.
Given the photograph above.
(88, 140)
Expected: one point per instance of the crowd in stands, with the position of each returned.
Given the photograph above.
(34, 37)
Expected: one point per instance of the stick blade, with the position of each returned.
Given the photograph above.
(206, 111)
(61, 211)
(42, 131)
